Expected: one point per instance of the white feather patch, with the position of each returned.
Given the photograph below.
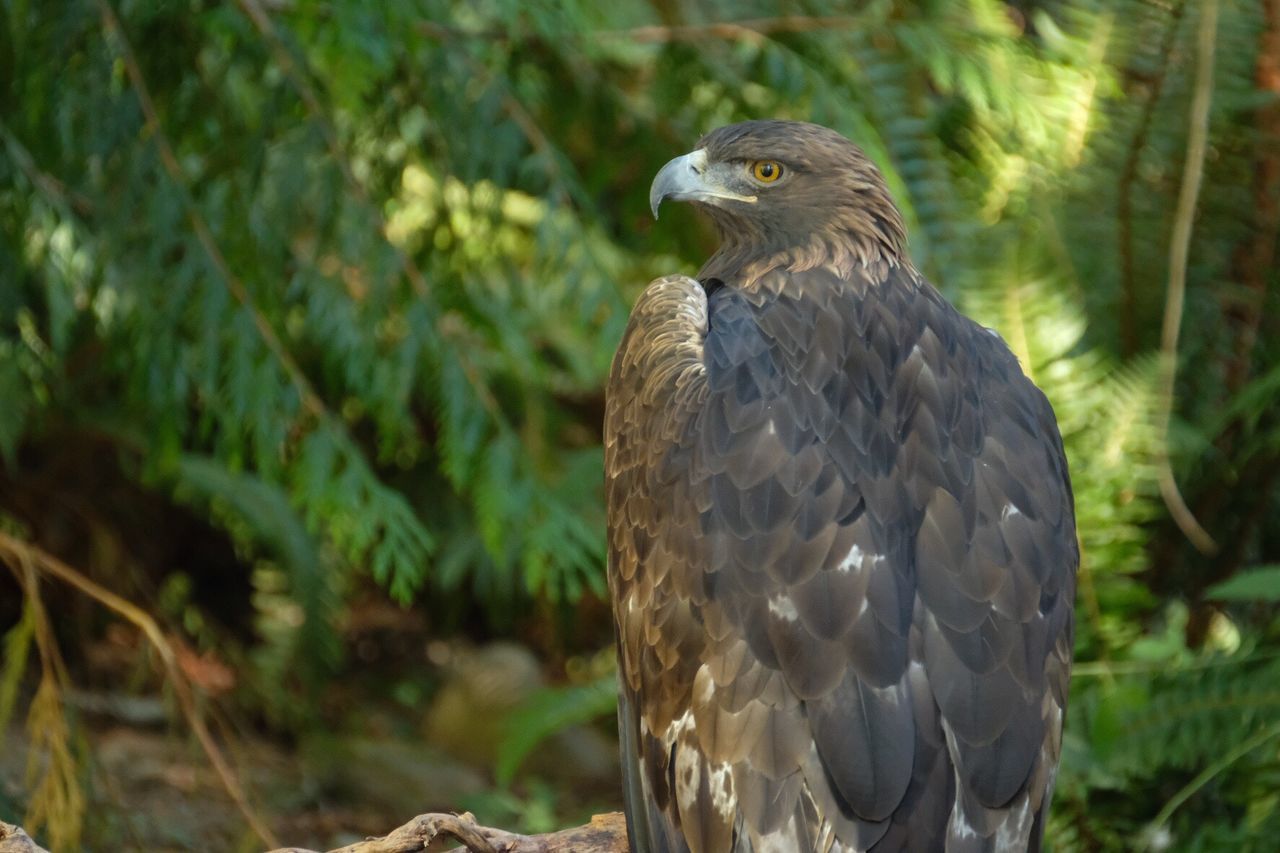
(688, 765)
(677, 726)
(723, 798)
(782, 840)
(958, 826)
(783, 607)
(1014, 832)
(852, 560)
(893, 694)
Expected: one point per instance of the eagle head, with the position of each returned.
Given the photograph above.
(784, 186)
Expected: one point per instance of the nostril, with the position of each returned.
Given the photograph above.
(697, 161)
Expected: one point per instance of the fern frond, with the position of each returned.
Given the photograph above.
(552, 710)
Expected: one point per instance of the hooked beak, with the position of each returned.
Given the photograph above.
(687, 178)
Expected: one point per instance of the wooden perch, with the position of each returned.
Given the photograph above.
(606, 833)
(14, 840)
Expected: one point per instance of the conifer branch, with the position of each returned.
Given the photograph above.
(310, 400)
(262, 21)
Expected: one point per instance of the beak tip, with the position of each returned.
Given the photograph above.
(677, 179)
(657, 195)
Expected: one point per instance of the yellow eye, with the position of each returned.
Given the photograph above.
(766, 171)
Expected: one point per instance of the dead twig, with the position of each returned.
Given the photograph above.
(19, 553)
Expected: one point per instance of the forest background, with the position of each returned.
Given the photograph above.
(305, 313)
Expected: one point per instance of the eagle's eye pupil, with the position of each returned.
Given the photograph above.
(766, 171)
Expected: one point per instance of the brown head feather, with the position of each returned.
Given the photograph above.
(830, 208)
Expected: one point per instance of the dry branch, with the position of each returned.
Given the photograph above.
(20, 553)
(606, 833)
(14, 840)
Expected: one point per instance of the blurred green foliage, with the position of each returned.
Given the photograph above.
(342, 281)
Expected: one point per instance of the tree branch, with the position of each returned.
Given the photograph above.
(14, 840)
(51, 187)
(606, 833)
(1179, 249)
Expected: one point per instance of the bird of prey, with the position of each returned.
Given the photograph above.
(842, 546)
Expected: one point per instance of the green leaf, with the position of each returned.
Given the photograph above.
(1260, 584)
(552, 710)
(13, 410)
(17, 647)
(262, 513)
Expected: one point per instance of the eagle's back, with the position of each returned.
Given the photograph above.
(842, 555)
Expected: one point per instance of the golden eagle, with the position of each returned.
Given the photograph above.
(842, 546)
